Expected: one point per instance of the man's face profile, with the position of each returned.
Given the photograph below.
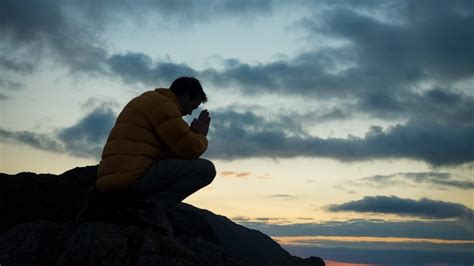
(189, 104)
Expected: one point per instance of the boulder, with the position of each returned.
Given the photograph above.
(40, 228)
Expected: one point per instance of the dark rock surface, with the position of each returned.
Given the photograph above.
(39, 228)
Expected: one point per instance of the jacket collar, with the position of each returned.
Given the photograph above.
(170, 94)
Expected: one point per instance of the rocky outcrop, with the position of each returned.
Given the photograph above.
(39, 228)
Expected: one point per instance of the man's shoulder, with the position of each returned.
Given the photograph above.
(152, 97)
(158, 100)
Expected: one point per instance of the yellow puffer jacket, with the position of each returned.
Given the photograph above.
(149, 128)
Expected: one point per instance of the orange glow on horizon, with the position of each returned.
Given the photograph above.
(306, 240)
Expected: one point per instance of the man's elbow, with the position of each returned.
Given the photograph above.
(198, 151)
(193, 151)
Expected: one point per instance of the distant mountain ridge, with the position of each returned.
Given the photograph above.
(38, 228)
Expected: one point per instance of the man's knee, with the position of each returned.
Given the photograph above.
(208, 170)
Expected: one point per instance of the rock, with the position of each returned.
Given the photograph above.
(297, 261)
(29, 197)
(40, 229)
(240, 241)
(49, 243)
(35, 243)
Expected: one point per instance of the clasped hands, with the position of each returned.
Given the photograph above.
(201, 124)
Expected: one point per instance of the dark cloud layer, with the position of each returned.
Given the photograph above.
(426, 208)
(441, 180)
(70, 32)
(238, 135)
(138, 68)
(87, 137)
(84, 139)
(428, 38)
(39, 141)
(375, 228)
(35, 29)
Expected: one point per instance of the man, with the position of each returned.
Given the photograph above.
(152, 154)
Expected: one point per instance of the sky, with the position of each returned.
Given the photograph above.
(342, 129)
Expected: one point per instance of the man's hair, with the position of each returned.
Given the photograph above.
(183, 84)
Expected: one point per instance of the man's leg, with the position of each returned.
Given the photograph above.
(168, 182)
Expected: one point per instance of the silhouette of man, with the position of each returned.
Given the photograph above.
(152, 154)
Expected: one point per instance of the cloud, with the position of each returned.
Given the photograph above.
(407, 42)
(3, 97)
(305, 218)
(180, 11)
(39, 141)
(87, 137)
(308, 74)
(264, 220)
(450, 230)
(441, 180)
(136, 68)
(84, 139)
(227, 173)
(14, 66)
(255, 136)
(283, 196)
(418, 39)
(268, 219)
(235, 174)
(444, 105)
(71, 33)
(425, 208)
(283, 137)
(38, 29)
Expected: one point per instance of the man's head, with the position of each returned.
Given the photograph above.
(189, 93)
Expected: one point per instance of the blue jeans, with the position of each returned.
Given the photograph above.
(168, 182)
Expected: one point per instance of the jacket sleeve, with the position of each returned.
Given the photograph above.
(175, 133)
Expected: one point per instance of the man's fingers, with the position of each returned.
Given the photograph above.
(204, 115)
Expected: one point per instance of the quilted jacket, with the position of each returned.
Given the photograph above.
(149, 128)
